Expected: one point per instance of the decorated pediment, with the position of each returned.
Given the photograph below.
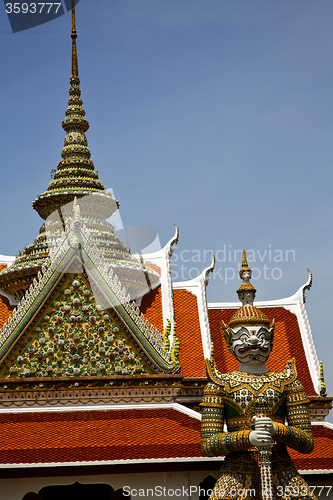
(74, 336)
(77, 321)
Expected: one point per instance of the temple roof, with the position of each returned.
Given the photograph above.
(79, 336)
(72, 436)
(78, 436)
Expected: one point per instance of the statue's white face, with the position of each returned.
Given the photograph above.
(252, 344)
(246, 275)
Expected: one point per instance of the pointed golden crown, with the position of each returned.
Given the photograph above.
(247, 314)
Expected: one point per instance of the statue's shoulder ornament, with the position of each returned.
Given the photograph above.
(287, 377)
(218, 378)
(280, 380)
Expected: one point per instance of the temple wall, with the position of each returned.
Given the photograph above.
(150, 485)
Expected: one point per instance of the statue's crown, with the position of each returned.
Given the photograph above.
(247, 314)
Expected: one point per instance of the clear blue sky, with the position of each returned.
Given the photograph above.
(213, 114)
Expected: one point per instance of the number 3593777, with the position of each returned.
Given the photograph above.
(296, 491)
(32, 8)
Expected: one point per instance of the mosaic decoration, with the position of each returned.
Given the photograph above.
(75, 337)
(77, 244)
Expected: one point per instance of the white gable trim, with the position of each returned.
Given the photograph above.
(197, 287)
(105, 407)
(162, 260)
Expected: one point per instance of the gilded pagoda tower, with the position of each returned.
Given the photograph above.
(76, 178)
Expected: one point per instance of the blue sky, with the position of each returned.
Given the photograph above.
(216, 115)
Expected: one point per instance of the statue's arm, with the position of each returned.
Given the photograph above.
(298, 433)
(215, 442)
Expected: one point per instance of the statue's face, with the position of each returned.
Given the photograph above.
(252, 344)
(247, 298)
(246, 275)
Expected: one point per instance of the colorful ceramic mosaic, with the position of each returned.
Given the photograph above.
(74, 337)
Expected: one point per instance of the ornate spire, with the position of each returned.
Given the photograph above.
(75, 69)
(75, 174)
(246, 291)
(245, 267)
(76, 177)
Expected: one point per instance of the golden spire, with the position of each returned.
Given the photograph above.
(75, 69)
(76, 177)
(75, 174)
(245, 266)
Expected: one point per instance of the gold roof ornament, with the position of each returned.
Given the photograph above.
(246, 291)
(249, 315)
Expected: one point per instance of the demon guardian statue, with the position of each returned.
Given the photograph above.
(264, 411)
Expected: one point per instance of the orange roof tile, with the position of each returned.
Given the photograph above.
(154, 267)
(287, 343)
(187, 325)
(80, 436)
(322, 455)
(191, 358)
(77, 436)
(5, 308)
(151, 307)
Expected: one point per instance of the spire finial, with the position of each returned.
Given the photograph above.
(244, 259)
(75, 70)
(246, 291)
(245, 267)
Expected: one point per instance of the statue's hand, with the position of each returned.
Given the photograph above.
(260, 438)
(264, 424)
(264, 430)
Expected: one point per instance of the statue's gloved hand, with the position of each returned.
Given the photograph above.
(264, 423)
(264, 430)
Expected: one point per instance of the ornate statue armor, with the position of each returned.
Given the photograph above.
(263, 412)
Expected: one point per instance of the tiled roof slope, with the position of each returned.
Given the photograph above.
(82, 436)
(154, 267)
(287, 344)
(151, 307)
(187, 324)
(77, 436)
(191, 358)
(322, 455)
(5, 309)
